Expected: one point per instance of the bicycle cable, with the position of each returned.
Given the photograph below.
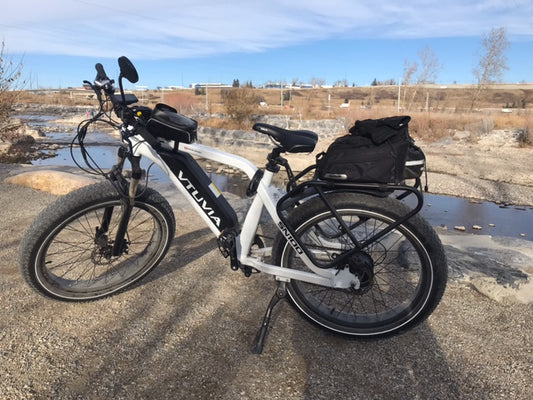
(91, 166)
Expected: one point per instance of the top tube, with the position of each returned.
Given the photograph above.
(220, 156)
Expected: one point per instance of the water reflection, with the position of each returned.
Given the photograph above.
(492, 218)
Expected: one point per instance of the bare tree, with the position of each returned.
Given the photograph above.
(492, 62)
(341, 83)
(409, 70)
(317, 82)
(428, 72)
(10, 79)
(430, 66)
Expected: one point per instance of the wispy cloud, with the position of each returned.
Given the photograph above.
(181, 29)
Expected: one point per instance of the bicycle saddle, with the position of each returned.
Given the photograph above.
(297, 141)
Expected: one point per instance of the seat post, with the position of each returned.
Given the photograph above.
(275, 160)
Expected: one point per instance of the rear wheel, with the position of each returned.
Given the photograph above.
(400, 277)
(67, 253)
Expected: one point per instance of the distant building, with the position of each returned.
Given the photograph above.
(274, 85)
(209, 85)
(172, 87)
(277, 85)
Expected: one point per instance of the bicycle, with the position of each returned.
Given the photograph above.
(351, 257)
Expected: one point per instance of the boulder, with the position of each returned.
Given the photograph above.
(500, 268)
(55, 182)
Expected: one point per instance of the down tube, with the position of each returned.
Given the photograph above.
(185, 173)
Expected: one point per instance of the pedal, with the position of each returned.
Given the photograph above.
(228, 248)
(226, 243)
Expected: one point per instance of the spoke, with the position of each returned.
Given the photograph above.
(381, 299)
(83, 231)
(139, 223)
(88, 224)
(396, 271)
(348, 304)
(71, 249)
(69, 263)
(373, 298)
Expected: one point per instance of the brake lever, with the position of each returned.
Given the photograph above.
(106, 84)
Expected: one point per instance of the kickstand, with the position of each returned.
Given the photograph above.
(259, 342)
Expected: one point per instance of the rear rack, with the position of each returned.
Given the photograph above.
(319, 188)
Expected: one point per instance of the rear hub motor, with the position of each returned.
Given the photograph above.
(362, 266)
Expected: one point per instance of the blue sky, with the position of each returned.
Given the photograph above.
(181, 42)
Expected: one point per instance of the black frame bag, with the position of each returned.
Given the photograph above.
(375, 152)
(167, 123)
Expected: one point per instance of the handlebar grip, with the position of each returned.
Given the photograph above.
(100, 72)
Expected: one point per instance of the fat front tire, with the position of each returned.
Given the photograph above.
(402, 275)
(67, 252)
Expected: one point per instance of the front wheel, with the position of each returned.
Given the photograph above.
(68, 253)
(401, 276)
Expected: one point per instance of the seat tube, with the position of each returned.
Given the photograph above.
(251, 222)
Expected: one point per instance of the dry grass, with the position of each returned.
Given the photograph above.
(69, 98)
(526, 135)
(184, 102)
(436, 111)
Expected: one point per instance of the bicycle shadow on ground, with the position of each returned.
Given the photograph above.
(464, 350)
(184, 249)
(189, 336)
(409, 366)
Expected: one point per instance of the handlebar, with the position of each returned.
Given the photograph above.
(105, 91)
(132, 118)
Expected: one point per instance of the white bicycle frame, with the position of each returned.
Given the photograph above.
(263, 199)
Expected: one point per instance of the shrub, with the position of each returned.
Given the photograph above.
(240, 104)
(525, 137)
(10, 73)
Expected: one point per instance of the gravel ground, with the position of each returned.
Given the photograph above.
(185, 332)
(494, 169)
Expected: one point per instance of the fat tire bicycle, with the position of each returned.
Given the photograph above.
(353, 258)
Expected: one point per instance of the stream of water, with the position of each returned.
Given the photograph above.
(493, 219)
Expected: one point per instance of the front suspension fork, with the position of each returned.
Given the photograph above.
(127, 201)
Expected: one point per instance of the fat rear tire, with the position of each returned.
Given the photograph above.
(400, 286)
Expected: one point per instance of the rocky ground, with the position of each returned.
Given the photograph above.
(185, 332)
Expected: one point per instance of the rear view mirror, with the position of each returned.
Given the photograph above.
(127, 69)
